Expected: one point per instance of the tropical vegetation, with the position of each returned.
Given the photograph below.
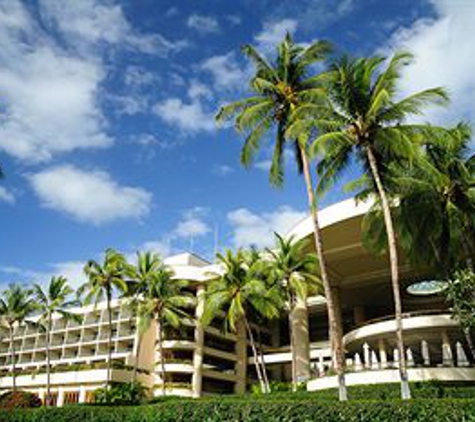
(278, 89)
(53, 300)
(332, 112)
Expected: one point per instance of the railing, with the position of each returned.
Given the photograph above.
(405, 315)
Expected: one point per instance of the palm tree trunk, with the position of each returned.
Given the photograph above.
(256, 356)
(48, 361)
(12, 347)
(263, 364)
(162, 358)
(292, 343)
(393, 259)
(334, 329)
(109, 347)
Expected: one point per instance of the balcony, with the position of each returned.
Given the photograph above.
(435, 348)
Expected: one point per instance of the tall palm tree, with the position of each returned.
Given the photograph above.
(363, 117)
(139, 276)
(435, 217)
(294, 270)
(16, 305)
(278, 89)
(103, 279)
(165, 300)
(239, 291)
(55, 299)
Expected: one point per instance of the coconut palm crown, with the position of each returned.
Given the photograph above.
(277, 88)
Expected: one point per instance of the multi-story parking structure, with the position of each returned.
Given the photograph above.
(201, 360)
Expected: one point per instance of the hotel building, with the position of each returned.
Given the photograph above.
(202, 360)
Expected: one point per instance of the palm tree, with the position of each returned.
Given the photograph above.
(16, 305)
(55, 299)
(362, 117)
(103, 279)
(240, 291)
(295, 271)
(278, 89)
(164, 300)
(435, 217)
(139, 277)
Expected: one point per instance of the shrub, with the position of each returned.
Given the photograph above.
(19, 400)
(131, 393)
(249, 410)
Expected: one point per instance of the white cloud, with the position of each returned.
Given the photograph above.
(72, 270)
(258, 229)
(49, 96)
(197, 90)
(129, 104)
(226, 72)
(96, 21)
(6, 196)
(203, 24)
(273, 33)
(135, 76)
(233, 19)
(89, 197)
(445, 56)
(192, 225)
(189, 117)
(222, 169)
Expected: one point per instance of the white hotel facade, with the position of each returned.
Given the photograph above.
(202, 360)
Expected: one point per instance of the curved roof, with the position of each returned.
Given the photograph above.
(332, 214)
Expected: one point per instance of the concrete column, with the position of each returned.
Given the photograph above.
(241, 358)
(299, 320)
(383, 357)
(82, 395)
(42, 395)
(447, 356)
(374, 361)
(366, 355)
(425, 353)
(357, 362)
(60, 401)
(396, 358)
(198, 354)
(359, 314)
(461, 356)
(410, 357)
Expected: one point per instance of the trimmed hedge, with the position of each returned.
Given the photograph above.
(210, 410)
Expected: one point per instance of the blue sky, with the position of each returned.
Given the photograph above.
(107, 135)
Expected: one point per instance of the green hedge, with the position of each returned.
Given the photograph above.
(456, 410)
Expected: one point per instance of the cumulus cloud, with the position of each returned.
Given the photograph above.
(72, 270)
(273, 33)
(192, 225)
(445, 56)
(203, 24)
(96, 21)
(226, 72)
(6, 196)
(190, 117)
(51, 85)
(253, 229)
(89, 197)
